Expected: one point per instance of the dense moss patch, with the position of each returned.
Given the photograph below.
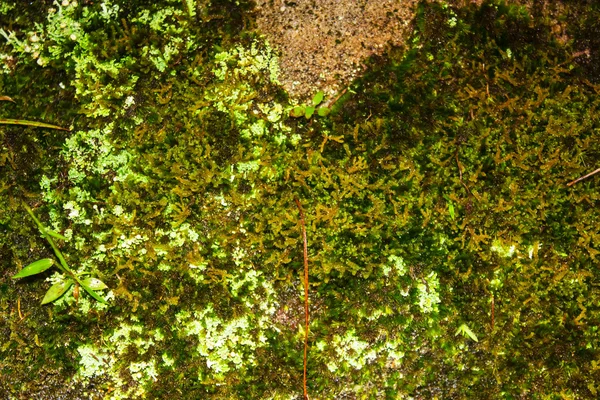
(435, 195)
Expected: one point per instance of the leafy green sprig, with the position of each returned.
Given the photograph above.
(89, 284)
(308, 110)
(466, 332)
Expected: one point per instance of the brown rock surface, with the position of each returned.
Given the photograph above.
(322, 43)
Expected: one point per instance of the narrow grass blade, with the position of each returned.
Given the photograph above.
(30, 123)
(92, 293)
(451, 209)
(466, 331)
(63, 263)
(35, 268)
(470, 333)
(55, 234)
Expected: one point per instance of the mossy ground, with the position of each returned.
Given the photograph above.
(435, 195)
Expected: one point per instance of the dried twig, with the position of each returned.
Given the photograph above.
(492, 311)
(302, 222)
(334, 100)
(583, 177)
(460, 172)
(19, 308)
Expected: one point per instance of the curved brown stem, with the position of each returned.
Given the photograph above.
(306, 319)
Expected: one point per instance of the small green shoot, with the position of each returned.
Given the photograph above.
(7, 121)
(451, 209)
(308, 110)
(35, 124)
(318, 98)
(466, 332)
(90, 285)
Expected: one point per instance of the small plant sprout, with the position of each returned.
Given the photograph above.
(89, 284)
(466, 332)
(450, 207)
(35, 124)
(308, 110)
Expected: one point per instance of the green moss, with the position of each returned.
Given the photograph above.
(434, 189)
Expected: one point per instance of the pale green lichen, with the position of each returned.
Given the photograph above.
(351, 352)
(428, 294)
(249, 166)
(106, 361)
(109, 11)
(395, 264)
(229, 345)
(195, 271)
(168, 360)
(93, 153)
(92, 361)
(238, 72)
(502, 249)
(225, 345)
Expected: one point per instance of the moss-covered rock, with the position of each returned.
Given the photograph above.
(435, 195)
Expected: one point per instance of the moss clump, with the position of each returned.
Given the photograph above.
(435, 197)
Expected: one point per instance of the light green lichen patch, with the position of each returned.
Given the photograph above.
(395, 264)
(503, 250)
(228, 345)
(428, 294)
(107, 361)
(239, 73)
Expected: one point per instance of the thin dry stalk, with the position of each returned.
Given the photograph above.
(583, 177)
(306, 319)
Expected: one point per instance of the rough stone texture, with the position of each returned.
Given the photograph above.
(322, 43)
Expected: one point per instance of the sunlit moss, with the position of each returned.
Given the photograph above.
(434, 197)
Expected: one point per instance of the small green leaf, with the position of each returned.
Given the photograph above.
(54, 234)
(323, 111)
(318, 98)
(297, 111)
(92, 293)
(57, 290)
(94, 283)
(35, 268)
(451, 209)
(466, 331)
(309, 112)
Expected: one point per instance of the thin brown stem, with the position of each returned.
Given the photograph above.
(19, 308)
(330, 104)
(460, 172)
(306, 319)
(492, 311)
(583, 177)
